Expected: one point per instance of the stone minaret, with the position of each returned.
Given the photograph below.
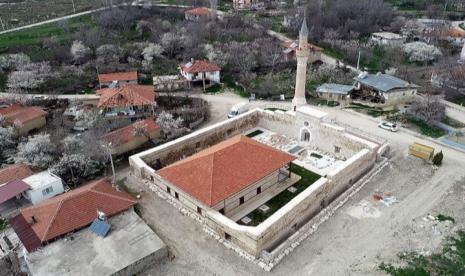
(302, 55)
(462, 54)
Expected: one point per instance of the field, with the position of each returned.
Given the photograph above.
(35, 35)
(16, 13)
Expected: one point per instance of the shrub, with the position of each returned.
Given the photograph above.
(437, 159)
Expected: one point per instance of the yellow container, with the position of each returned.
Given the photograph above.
(421, 151)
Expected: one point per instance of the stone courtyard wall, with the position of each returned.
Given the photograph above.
(359, 156)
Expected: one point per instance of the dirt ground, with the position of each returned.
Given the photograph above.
(361, 235)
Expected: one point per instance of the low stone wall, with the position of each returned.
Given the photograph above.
(145, 263)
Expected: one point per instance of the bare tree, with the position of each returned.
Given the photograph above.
(428, 109)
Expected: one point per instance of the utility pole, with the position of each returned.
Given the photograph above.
(1, 22)
(113, 181)
(358, 60)
(74, 8)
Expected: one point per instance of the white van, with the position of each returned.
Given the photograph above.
(238, 109)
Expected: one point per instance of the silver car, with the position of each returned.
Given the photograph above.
(389, 126)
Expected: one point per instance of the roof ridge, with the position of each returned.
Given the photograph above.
(112, 195)
(212, 170)
(53, 219)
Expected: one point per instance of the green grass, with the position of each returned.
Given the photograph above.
(374, 111)
(442, 217)
(449, 261)
(214, 88)
(3, 224)
(426, 129)
(35, 35)
(254, 133)
(236, 88)
(452, 122)
(307, 179)
(332, 52)
(376, 62)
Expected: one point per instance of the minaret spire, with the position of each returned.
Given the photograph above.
(302, 55)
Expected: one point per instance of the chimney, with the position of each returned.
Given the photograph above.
(34, 220)
(192, 60)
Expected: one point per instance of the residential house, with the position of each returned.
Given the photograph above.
(43, 185)
(387, 39)
(198, 14)
(200, 71)
(132, 137)
(24, 118)
(127, 100)
(119, 78)
(51, 219)
(291, 46)
(12, 188)
(92, 230)
(227, 176)
(252, 4)
(334, 92)
(383, 88)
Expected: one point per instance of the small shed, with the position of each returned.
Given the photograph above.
(421, 151)
(334, 91)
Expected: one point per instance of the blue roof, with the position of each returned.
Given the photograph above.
(334, 88)
(99, 227)
(383, 82)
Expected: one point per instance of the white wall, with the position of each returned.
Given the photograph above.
(36, 195)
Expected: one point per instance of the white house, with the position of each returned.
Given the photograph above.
(44, 185)
(200, 70)
(387, 39)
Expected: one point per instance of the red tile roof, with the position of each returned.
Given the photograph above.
(127, 95)
(12, 189)
(70, 211)
(224, 169)
(14, 172)
(22, 114)
(126, 134)
(199, 66)
(199, 11)
(120, 76)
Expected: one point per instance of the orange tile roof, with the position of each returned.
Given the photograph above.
(22, 114)
(456, 33)
(199, 11)
(199, 66)
(224, 169)
(127, 95)
(126, 134)
(14, 172)
(75, 209)
(119, 76)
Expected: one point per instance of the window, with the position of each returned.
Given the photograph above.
(197, 145)
(337, 149)
(241, 200)
(168, 189)
(47, 191)
(199, 210)
(259, 190)
(151, 178)
(176, 195)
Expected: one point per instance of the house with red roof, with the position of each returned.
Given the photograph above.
(131, 137)
(200, 71)
(228, 176)
(118, 78)
(127, 100)
(198, 14)
(24, 118)
(51, 219)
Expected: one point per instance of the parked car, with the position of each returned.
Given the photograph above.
(389, 126)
